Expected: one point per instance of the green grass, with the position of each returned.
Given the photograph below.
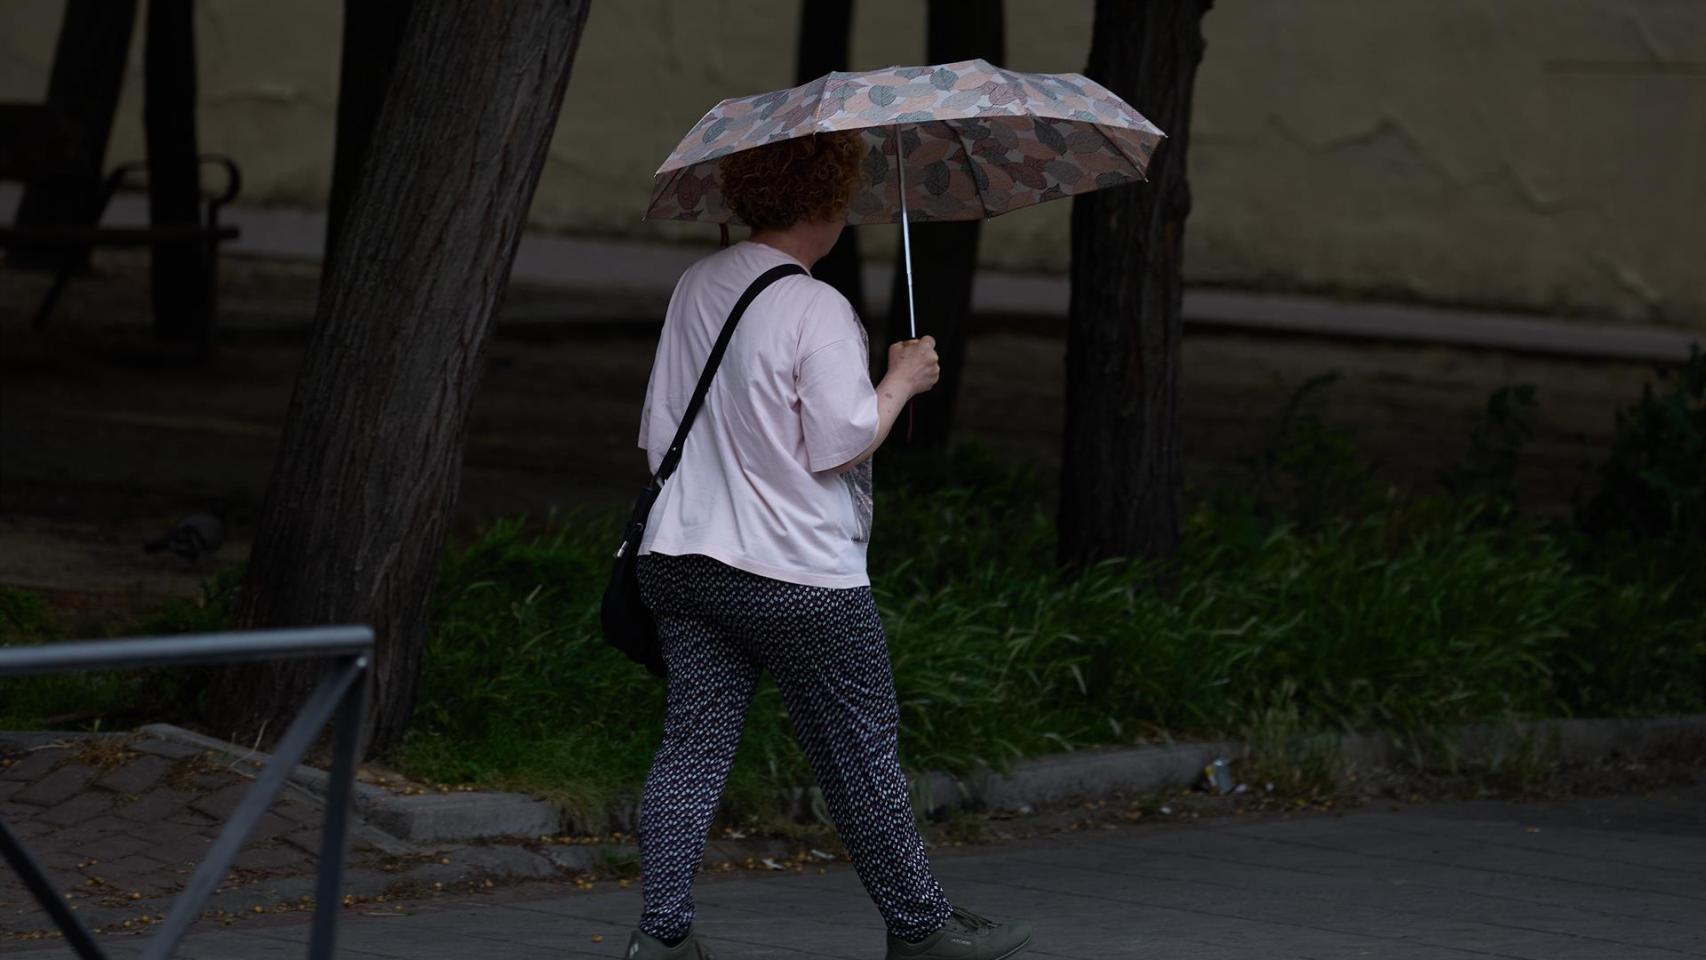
(1411, 615)
(106, 699)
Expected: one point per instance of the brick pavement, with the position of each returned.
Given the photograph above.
(1610, 878)
(120, 824)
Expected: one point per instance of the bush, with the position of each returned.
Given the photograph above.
(1495, 445)
(24, 617)
(1654, 481)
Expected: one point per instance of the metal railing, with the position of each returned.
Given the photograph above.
(341, 698)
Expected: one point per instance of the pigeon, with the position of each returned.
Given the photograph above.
(191, 537)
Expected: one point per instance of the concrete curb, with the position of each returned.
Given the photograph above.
(1568, 741)
(1093, 774)
(1085, 774)
(1029, 785)
(420, 818)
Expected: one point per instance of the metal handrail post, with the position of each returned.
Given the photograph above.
(35, 879)
(341, 692)
(295, 742)
(346, 755)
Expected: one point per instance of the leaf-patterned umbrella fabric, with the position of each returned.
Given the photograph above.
(977, 141)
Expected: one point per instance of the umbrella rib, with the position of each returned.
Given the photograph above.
(1011, 79)
(817, 110)
(1135, 168)
(657, 194)
(970, 164)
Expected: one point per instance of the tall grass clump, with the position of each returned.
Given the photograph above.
(1643, 535)
(1415, 616)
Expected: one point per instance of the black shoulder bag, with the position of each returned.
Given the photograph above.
(628, 625)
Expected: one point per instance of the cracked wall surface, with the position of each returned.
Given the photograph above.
(1536, 154)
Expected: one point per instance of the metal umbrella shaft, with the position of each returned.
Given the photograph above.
(905, 236)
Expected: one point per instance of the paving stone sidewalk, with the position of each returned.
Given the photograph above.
(121, 821)
(120, 824)
(1614, 878)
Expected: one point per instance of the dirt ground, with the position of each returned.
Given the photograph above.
(106, 439)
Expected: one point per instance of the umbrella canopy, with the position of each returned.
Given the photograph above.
(976, 141)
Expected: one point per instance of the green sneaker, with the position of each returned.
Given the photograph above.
(643, 946)
(966, 936)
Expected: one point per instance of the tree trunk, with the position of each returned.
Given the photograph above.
(88, 70)
(1120, 467)
(179, 272)
(825, 28)
(368, 470)
(373, 33)
(944, 255)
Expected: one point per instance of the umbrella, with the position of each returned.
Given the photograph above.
(974, 141)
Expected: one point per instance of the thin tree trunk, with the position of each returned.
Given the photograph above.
(944, 255)
(88, 70)
(369, 467)
(179, 272)
(1120, 469)
(373, 33)
(825, 30)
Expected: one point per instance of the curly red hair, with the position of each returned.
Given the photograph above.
(804, 178)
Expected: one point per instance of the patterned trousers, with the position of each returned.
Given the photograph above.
(719, 627)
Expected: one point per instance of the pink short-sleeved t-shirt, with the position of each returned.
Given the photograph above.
(756, 488)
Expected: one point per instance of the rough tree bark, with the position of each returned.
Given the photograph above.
(944, 255)
(178, 273)
(88, 70)
(1120, 468)
(368, 469)
(373, 33)
(825, 28)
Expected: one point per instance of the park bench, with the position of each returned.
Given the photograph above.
(38, 145)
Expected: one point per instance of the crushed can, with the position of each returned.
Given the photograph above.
(1218, 776)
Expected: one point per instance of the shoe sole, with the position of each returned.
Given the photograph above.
(1015, 951)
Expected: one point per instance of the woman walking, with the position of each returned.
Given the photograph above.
(754, 556)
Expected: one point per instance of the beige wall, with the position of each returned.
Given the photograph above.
(1545, 153)
(1535, 153)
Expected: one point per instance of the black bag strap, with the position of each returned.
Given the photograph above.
(672, 456)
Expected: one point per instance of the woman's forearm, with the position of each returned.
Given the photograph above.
(913, 369)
